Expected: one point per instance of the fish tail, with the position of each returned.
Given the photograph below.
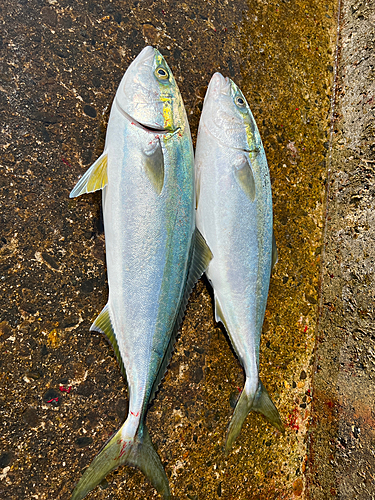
(259, 402)
(137, 451)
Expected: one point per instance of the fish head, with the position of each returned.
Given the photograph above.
(227, 115)
(148, 93)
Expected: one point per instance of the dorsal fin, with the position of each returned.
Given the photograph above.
(245, 178)
(200, 256)
(93, 179)
(154, 166)
(103, 325)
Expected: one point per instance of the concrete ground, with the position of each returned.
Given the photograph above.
(342, 435)
(307, 70)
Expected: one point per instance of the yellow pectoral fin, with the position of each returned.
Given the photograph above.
(94, 179)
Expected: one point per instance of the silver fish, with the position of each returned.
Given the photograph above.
(234, 215)
(154, 255)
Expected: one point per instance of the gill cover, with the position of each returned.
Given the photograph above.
(227, 115)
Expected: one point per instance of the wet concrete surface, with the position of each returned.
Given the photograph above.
(62, 394)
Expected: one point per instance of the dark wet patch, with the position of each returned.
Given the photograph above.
(83, 441)
(89, 111)
(6, 459)
(30, 417)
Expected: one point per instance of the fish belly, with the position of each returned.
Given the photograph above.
(148, 236)
(228, 221)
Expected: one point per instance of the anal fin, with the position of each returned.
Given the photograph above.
(103, 324)
(245, 178)
(154, 166)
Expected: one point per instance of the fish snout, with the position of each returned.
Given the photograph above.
(146, 56)
(218, 85)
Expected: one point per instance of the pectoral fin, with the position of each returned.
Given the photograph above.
(94, 179)
(245, 178)
(154, 166)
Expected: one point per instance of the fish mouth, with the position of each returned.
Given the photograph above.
(147, 128)
(218, 85)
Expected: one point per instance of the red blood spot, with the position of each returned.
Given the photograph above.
(123, 448)
(66, 162)
(305, 329)
(163, 12)
(297, 109)
(330, 404)
(135, 414)
(239, 389)
(62, 389)
(292, 419)
(53, 399)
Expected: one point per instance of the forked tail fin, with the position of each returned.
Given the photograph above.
(138, 452)
(260, 402)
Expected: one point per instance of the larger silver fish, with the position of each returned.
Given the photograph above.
(153, 253)
(234, 215)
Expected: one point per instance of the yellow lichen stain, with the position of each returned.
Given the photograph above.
(298, 487)
(54, 338)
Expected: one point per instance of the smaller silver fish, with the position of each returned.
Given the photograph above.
(234, 215)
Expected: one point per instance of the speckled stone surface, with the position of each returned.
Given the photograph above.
(342, 463)
(62, 394)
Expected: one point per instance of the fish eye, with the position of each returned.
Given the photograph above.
(161, 73)
(240, 102)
